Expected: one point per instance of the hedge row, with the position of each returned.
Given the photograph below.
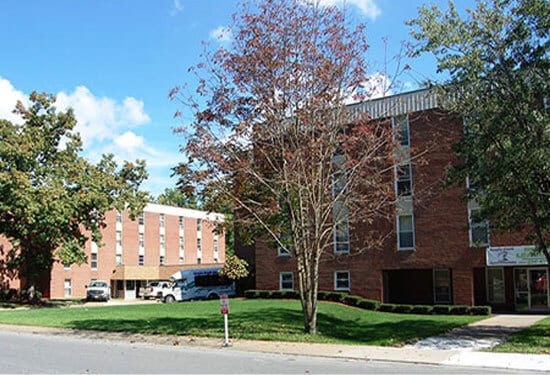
(368, 304)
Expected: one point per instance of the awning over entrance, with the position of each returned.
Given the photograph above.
(514, 256)
(154, 272)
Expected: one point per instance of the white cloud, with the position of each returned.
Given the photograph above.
(368, 7)
(377, 85)
(222, 34)
(8, 98)
(177, 7)
(103, 118)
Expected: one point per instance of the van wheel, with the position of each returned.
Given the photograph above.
(213, 296)
(169, 299)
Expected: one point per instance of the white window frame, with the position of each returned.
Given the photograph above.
(162, 220)
(162, 260)
(199, 225)
(118, 259)
(345, 223)
(399, 247)
(281, 276)
(448, 270)
(493, 300)
(336, 279)
(180, 222)
(141, 218)
(141, 259)
(119, 238)
(396, 174)
(162, 242)
(119, 216)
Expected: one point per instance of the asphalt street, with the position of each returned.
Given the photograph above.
(39, 353)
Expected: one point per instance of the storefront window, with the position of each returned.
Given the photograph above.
(442, 285)
(495, 285)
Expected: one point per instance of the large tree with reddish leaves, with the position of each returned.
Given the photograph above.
(272, 134)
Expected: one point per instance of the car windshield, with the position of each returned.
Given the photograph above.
(154, 283)
(98, 284)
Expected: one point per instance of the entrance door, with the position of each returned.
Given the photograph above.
(130, 292)
(531, 289)
(538, 281)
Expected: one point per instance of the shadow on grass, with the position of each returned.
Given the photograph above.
(276, 324)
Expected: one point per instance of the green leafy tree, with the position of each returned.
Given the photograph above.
(178, 197)
(497, 61)
(234, 267)
(52, 200)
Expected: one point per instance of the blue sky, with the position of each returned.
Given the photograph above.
(114, 62)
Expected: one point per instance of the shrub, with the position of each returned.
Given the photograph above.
(387, 307)
(441, 309)
(291, 294)
(353, 300)
(459, 310)
(277, 294)
(403, 309)
(480, 310)
(252, 293)
(323, 295)
(265, 293)
(422, 309)
(369, 304)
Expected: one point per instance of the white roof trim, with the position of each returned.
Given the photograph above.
(185, 212)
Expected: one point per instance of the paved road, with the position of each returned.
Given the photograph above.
(38, 353)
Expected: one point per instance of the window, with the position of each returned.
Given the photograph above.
(285, 249)
(479, 229)
(216, 244)
(341, 280)
(141, 218)
(402, 128)
(66, 266)
(141, 260)
(180, 221)
(119, 238)
(162, 242)
(162, 220)
(199, 245)
(181, 259)
(141, 241)
(405, 232)
(199, 260)
(162, 260)
(442, 285)
(93, 261)
(286, 281)
(338, 182)
(199, 225)
(182, 244)
(119, 217)
(341, 229)
(67, 285)
(118, 259)
(495, 285)
(403, 177)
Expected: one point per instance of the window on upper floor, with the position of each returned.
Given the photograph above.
(141, 260)
(401, 127)
(180, 222)
(479, 229)
(199, 225)
(341, 229)
(162, 219)
(119, 238)
(403, 176)
(141, 240)
(141, 219)
(119, 217)
(93, 261)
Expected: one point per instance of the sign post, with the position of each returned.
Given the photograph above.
(224, 307)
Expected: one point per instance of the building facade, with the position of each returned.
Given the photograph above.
(158, 243)
(437, 253)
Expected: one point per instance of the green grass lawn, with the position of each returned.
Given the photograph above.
(248, 319)
(535, 339)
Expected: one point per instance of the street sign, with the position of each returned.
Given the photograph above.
(224, 304)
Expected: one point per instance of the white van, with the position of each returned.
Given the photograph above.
(198, 283)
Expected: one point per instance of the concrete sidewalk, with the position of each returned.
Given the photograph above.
(496, 327)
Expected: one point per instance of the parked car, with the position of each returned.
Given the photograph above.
(154, 289)
(98, 291)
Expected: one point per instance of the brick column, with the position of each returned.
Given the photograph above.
(463, 286)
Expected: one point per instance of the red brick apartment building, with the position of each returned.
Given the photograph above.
(160, 242)
(436, 255)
